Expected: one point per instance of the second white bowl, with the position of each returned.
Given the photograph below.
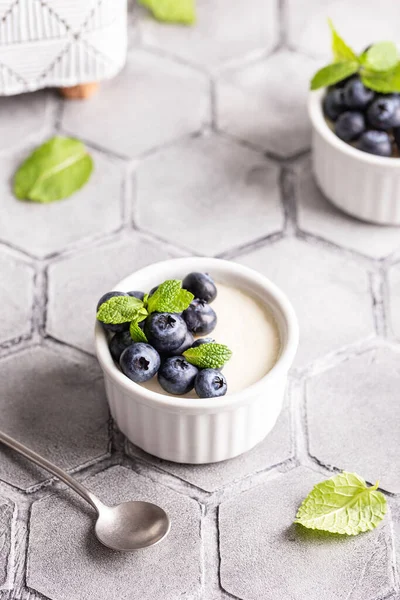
(201, 430)
(361, 184)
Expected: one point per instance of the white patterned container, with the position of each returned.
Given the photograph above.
(60, 43)
(361, 184)
(201, 430)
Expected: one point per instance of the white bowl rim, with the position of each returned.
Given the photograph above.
(198, 264)
(319, 123)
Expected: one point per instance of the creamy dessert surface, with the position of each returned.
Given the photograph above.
(249, 330)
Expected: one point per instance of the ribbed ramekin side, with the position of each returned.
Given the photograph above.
(196, 438)
(367, 191)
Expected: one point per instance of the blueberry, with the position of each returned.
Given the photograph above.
(350, 125)
(176, 375)
(375, 142)
(187, 343)
(200, 341)
(356, 95)
(200, 317)
(333, 104)
(109, 326)
(140, 362)
(384, 112)
(210, 383)
(165, 331)
(201, 285)
(119, 342)
(138, 295)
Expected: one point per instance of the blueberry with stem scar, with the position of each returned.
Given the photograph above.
(165, 331)
(140, 362)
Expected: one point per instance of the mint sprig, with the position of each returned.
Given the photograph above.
(121, 309)
(341, 51)
(333, 73)
(172, 11)
(54, 170)
(169, 297)
(343, 504)
(378, 66)
(208, 356)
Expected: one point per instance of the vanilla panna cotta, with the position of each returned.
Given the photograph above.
(256, 336)
(249, 329)
(162, 340)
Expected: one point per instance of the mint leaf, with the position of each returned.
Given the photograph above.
(137, 334)
(55, 170)
(333, 73)
(341, 51)
(208, 356)
(343, 504)
(381, 57)
(120, 309)
(384, 83)
(172, 11)
(169, 297)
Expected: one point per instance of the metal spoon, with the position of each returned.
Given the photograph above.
(127, 526)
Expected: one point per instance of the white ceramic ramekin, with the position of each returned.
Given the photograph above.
(361, 184)
(202, 430)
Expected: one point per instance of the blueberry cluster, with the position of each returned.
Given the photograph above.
(168, 336)
(361, 116)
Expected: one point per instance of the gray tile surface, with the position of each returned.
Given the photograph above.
(394, 300)
(329, 292)
(224, 32)
(64, 552)
(317, 216)
(267, 557)
(358, 401)
(200, 147)
(24, 118)
(6, 518)
(152, 102)
(54, 402)
(257, 102)
(16, 297)
(225, 196)
(358, 21)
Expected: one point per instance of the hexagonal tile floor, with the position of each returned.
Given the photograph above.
(200, 147)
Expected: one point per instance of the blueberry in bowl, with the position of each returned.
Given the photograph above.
(140, 362)
(354, 108)
(165, 331)
(176, 375)
(200, 317)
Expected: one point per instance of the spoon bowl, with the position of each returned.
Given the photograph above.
(124, 527)
(131, 525)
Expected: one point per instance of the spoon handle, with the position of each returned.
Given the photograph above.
(53, 469)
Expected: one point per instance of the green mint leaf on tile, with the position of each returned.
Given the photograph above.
(343, 504)
(333, 73)
(137, 334)
(55, 170)
(208, 356)
(341, 51)
(120, 309)
(169, 297)
(384, 83)
(381, 57)
(172, 11)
